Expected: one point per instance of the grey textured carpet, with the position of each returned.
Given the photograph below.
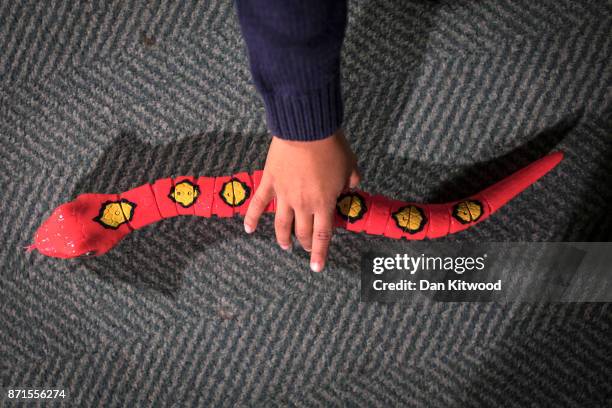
(442, 98)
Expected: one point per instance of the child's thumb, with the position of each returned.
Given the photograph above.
(355, 178)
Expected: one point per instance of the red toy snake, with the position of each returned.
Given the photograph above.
(92, 224)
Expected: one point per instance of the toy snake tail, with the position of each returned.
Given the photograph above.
(92, 224)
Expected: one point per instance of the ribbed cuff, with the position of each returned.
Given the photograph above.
(306, 116)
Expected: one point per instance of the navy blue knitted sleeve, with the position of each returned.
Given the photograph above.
(294, 54)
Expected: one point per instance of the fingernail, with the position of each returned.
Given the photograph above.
(285, 247)
(316, 266)
(248, 229)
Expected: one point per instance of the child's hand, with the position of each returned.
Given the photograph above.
(306, 178)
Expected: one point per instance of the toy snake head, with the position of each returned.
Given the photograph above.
(69, 232)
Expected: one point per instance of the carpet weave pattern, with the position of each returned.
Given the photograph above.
(442, 99)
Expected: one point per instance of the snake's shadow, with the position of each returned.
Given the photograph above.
(155, 256)
(439, 183)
